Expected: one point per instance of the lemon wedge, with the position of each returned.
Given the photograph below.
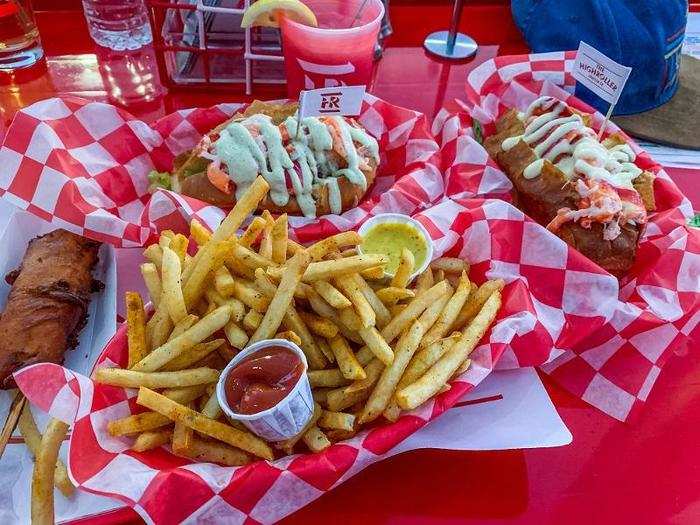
(266, 13)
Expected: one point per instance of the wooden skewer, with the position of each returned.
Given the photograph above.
(11, 421)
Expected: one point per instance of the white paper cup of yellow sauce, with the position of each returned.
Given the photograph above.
(398, 218)
(285, 419)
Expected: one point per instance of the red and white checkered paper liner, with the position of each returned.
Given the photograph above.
(604, 341)
(84, 166)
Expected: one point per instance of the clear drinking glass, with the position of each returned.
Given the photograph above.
(20, 45)
(118, 24)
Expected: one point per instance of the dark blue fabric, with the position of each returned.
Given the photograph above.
(645, 35)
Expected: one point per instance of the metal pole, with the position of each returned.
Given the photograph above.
(454, 26)
(451, 44)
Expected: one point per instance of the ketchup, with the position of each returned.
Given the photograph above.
(262, 379)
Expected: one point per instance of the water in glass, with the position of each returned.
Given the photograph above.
(20, 45)
(118, 24)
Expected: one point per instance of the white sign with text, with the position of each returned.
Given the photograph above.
(602, 75)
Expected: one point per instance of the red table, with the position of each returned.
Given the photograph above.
(646, 472)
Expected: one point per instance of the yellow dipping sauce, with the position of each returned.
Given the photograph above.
(390, 238)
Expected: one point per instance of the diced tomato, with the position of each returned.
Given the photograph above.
(219, 178)
(284, 132)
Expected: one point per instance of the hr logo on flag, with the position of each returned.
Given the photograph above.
(330, 102)
(340, 100)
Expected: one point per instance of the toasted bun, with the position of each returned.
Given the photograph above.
(197, 184)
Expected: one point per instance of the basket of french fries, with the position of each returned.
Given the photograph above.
(383, 354)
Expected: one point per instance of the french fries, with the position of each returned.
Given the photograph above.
(279, 240)
(437, 375)
(44, 468)
(450, 265)
(198, 333)
(136, 328)
(196, 421)
(132, 379)
(32, 438)
(172, 286)
(283, 297)
(375, 346)
(405, 269)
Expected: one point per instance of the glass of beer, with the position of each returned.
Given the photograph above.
(20, 45)
(339, 52)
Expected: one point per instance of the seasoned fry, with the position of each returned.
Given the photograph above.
(384, 389)
(449, 314)
(279, 239)
(250, 296)
(332, 244)
(154, 254)
(399, 323)
(293, 321)
(244, 207)
(432, 312)
(184, 325)
(373, 369)
(425, 281)
(183, 437)
(349, 318)
(136, 328)
(215, 452)
(316, 440)
(324, 270)
(32, 438)
(403, 272)
(325, 348)
(437, 376)
(327, 378)
(331, 294)
(347, 363)
(349, 252)
(381, 312)
(193, 355)
(226, 433)
(235, 335)
(193, 288)
(265, 249)
(252, 231)
(132, 379)
(224, 282)
(289, 335)
(44, 469)
(198, 333)
(159, 326)
(377, 344)
(151, 439)
(352, 291)
(319, 325)
(149, 272)
(392, 295)
(475, 302)
(137, 423)
(252, 321)
(172, 286)
(374, 273)
(450, 265)
(199, 232)
(425, 358)
(283, 297)
(336, 420)
(211, 408)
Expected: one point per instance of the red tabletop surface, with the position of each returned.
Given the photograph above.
(644, 472)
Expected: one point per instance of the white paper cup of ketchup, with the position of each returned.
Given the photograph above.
(266, 388)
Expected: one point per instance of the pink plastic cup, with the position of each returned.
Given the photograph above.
(334, 53)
